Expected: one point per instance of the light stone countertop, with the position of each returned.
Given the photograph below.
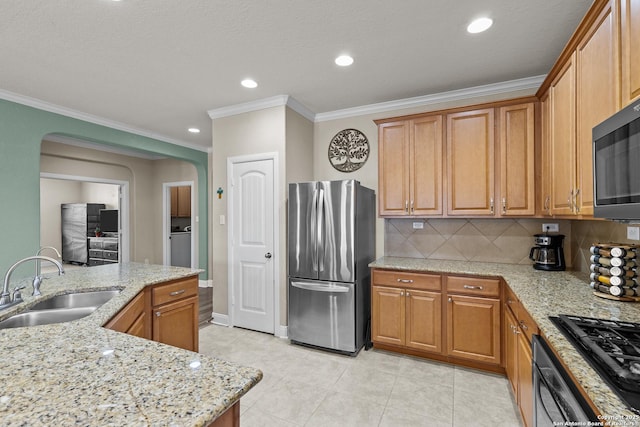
(545, 294)
(78, 373)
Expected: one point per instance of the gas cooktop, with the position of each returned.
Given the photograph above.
(612, 348)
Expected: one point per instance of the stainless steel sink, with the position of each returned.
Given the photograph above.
(75, 300)
(61, 308)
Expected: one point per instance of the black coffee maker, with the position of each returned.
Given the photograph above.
(548, 254)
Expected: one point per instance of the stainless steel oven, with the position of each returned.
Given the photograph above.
(556, 399)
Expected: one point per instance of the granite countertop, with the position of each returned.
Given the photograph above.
(80, 373)
(545, 294)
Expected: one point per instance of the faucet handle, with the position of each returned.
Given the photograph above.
(37, 281)
(16, 296)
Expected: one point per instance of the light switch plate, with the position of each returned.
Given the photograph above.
(550, 227)
(633, 233)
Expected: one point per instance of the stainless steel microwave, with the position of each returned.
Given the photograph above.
(616, 166)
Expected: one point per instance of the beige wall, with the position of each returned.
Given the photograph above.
(244, 134)
(145, 177)
(586, 233)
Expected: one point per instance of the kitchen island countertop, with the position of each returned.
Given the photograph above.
(80, 373)
(545, 294)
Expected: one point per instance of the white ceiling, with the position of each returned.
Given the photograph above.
(158, 66)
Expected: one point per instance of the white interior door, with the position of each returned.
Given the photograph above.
(253, 245)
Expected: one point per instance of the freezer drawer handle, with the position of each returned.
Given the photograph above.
(320, 287)
(405, 280)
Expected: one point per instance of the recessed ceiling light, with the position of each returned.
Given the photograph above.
(344, 60)
(251, 84)
(479, 25)
(194, 130)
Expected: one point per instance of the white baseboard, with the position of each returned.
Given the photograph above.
(220, 319)
(281, 332)
(205, 283)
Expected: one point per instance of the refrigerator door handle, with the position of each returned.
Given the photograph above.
(319, 231)
(314, 225)
(321, 287)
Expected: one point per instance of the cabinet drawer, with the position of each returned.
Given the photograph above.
(527, 325)
(424, 281)
(110, 245)
(512, 301)
(174, 291)
(95, 253)
(111, 255)
(473, 286)
(95, 244)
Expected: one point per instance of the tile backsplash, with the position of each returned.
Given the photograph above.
(490, 240)
(495, 240)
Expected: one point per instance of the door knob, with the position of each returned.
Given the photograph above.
(267, 255)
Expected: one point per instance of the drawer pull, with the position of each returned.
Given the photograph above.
(158, 314)
(174, 293)
(405, 280)
(510, 301)
(523, 326)
(473, 287)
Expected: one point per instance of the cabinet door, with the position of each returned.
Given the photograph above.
(470, 162)
(517, 174)
(173, 191)
(597, 96)
(387, 315)
(511, 349)
(133, 319)
(184, 201)
(545, 155)
(425, 186)
(562, 144)
(525, 383)
(424, 320)
(176, 324)
(473, 328)
(630, 45)
(393, 168)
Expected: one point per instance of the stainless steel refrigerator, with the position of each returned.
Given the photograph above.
(331, 241)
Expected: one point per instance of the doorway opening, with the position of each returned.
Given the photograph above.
(179, 226)
(85, 218)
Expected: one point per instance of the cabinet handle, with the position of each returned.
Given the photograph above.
(408, 294)
(158, 314)
(510, 301)
(523, 326)
(405, 280)
(174, 293)
(491, 205)
(547, 201)
(504, 205)
(570, 200)
(406, 206)
(473, 287)
(450, 299)
(576, 205)
(401, 293)
(412, 210)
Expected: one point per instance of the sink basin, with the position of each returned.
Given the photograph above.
(46, 317)
(61, 308)
(84, 299)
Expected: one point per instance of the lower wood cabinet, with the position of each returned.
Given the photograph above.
(518, 331)
(413, 313)
(166, 312)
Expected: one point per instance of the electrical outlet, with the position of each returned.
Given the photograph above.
(551, 227)
(633, 233)
(418, 225)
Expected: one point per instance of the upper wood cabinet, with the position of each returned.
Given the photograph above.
(517, 159)
(470, 162)
(410, 167)
(630, 49)
(545, 155)
(181, 201)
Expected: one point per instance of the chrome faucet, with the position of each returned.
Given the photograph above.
(8, 299)
(37, 280)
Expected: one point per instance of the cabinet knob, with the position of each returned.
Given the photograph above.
(408, 294)
(450, 299)
(158, 314)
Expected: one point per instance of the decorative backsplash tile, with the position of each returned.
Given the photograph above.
(490, 240)
(585, 233)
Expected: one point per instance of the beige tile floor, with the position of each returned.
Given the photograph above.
(307, 387)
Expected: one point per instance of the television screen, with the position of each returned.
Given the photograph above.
(109, 220)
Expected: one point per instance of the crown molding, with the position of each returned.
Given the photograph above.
(75, 142)
(529, 83)
(68, 112)
(261, 104)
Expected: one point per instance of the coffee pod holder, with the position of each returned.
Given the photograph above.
(614, 271)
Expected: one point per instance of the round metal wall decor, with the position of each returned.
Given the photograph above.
(348, 150)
